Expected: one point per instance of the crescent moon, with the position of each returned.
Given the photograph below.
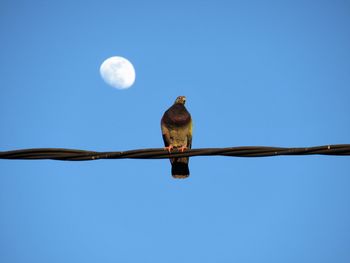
(118, 72)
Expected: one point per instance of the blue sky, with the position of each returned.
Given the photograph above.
(272, 73)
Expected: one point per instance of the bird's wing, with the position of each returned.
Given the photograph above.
(165, 133)
(189, 136)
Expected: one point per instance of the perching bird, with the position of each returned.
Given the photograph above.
(176, 127)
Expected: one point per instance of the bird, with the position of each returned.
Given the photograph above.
(176, 126)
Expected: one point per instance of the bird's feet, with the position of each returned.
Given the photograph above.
(182, 148)
(169, 148)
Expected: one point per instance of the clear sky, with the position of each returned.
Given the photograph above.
(273, 73)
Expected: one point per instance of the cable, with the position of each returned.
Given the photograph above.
(160, 153)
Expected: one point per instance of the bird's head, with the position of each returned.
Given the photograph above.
(180, 99)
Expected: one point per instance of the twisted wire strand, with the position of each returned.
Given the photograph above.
(160, 153)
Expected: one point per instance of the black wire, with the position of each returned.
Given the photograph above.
(160, 153)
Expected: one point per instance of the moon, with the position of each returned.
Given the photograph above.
(118, 72)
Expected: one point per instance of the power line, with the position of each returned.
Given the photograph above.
(160, 153)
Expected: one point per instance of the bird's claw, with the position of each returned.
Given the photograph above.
(169, 148)
(182, 149)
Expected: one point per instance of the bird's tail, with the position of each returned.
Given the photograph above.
(180, 169)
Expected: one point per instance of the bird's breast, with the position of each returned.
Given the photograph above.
(177, 116)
